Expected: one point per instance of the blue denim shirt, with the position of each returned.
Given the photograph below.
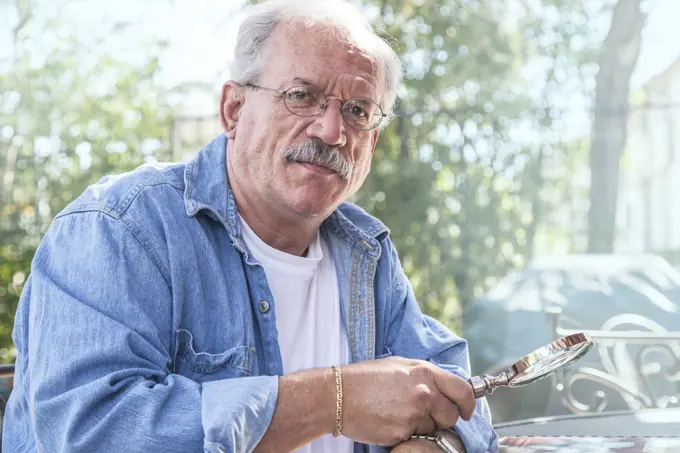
(143, 325)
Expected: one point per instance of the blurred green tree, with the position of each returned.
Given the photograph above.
(68, 115)
(459, 176)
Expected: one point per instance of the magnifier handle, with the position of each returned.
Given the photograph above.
(485, 385)
(480, 386)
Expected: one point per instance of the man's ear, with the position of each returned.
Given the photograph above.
(375, 134)
(230, 107)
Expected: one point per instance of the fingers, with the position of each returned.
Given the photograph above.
(444, 413)
(456, 389)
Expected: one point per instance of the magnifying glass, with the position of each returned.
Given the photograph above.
(535, 366)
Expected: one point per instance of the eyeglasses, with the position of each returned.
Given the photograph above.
(308, 100)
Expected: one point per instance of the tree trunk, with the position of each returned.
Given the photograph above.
(617, 62)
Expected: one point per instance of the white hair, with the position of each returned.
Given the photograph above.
(258, 26)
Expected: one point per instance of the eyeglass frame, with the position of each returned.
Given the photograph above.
(382, 115)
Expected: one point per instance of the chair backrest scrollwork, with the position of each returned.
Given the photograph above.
(635, 358)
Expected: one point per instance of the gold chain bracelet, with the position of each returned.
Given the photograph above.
(338, 402)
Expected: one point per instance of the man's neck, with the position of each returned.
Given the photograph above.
(279, 234)
(289, 234)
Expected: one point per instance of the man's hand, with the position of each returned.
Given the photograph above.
(388, 400)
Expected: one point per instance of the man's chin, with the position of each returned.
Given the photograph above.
(312, 208)
(312, 194)
(309, 213)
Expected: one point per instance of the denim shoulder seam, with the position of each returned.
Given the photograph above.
(137, 189)
(135, 232)
(117, 208)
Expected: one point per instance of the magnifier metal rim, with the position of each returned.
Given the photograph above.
(578, 340)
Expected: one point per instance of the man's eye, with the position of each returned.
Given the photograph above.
(358, 111)
(300, 95)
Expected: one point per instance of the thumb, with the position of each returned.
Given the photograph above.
(458, 390)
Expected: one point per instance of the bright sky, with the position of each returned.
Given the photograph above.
(660, 40)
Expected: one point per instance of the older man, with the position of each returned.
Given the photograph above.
(237, 303)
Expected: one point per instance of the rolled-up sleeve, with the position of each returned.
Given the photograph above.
(415, 335)
(99, 339)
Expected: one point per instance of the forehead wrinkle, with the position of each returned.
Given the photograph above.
(366, 78)
(356, 85)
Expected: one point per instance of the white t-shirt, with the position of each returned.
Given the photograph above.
(311, 333)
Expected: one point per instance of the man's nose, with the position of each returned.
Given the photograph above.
(329, 126)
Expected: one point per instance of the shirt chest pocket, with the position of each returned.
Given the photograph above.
(204, 367)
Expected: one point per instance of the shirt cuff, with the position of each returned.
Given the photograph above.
(236, 413)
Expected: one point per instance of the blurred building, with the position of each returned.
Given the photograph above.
(648, 218)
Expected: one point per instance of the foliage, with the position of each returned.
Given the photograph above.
(459, 177)
(68, 116)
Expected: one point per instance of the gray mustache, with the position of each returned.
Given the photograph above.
(318, 153)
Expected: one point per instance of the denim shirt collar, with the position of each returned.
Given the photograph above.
(205, 179)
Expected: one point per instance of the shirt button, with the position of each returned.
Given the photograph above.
(264, 306)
